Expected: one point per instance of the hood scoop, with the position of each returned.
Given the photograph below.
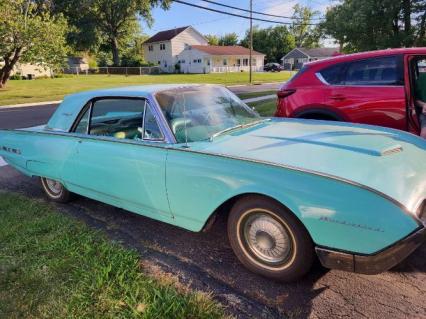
(391, 150)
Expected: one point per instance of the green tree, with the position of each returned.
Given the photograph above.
(229, 39)
(360, 25)
(82, 34)
(29, 34)
(106, 23)
(275, 42)
(212, 39)
(305, 35)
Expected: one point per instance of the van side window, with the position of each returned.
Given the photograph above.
(375, 71)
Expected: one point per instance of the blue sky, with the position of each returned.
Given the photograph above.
(215, 23)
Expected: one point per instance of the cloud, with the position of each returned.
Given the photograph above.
(285, 8)
(279, 7)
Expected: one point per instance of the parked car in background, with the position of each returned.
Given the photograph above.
(289, 189)
(273, 67)
(371, 87)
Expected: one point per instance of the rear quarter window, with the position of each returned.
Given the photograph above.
(332, 74)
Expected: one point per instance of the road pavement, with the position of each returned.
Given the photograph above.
(205, 261)
(19, 117)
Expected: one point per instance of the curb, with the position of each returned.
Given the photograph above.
(260, 98)
(29, 104)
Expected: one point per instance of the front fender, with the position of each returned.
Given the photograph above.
(337, 214)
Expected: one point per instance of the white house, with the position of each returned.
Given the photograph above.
(164, 47)
(28, 70)
(77, 65)
(188, 49)
(298, 56)
(215, 58)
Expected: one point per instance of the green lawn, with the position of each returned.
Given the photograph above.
(265, 108)
(54, 89)
(255, 94)
(52, 266)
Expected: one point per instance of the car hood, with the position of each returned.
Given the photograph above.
(389, 161)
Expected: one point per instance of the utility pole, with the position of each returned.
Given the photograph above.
(251, 39)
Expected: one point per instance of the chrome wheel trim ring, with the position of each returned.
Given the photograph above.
(266, 239)
(52, 187)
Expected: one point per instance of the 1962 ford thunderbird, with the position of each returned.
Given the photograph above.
(291, 190)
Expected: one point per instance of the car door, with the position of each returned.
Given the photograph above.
(371, 91)
(415, 66)
(120, 156)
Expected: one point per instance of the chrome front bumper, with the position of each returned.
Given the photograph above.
(372, 264)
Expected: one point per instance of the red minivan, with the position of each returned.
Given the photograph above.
(374, 88)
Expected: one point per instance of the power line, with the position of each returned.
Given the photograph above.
(239, 15)
(255, 12)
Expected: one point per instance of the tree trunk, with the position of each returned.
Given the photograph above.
(9, 63)
(406, 8)
(115, 52)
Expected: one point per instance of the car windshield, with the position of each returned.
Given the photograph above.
(200, 113)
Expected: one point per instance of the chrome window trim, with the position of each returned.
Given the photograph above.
(321, 78)
(161, 120)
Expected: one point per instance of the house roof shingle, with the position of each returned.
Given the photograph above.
(320, 52)
(225, 50)
(166, 35)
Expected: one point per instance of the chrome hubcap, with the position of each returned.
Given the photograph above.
(267, 238)
(54, 186)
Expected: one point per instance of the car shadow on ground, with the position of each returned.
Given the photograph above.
(205, 262)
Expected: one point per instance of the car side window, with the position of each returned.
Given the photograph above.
(119, 118)
(151, 129)
(83, 125)
(375, 72)
(333, 74)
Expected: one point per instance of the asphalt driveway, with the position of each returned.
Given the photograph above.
(205, 261)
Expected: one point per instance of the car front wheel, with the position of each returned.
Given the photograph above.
(54, 190)
(269, 240)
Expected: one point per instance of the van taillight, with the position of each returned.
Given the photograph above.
(285, 93)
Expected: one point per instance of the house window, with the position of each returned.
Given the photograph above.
(225, 62)
(150, 47)
(162, 46)
(245, 62)
(199, 60)
(253, 61)
(238, 62)
(158, 62)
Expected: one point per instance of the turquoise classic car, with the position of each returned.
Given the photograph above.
(292, 190)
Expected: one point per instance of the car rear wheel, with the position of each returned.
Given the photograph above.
(269, 240)
(54, 190)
